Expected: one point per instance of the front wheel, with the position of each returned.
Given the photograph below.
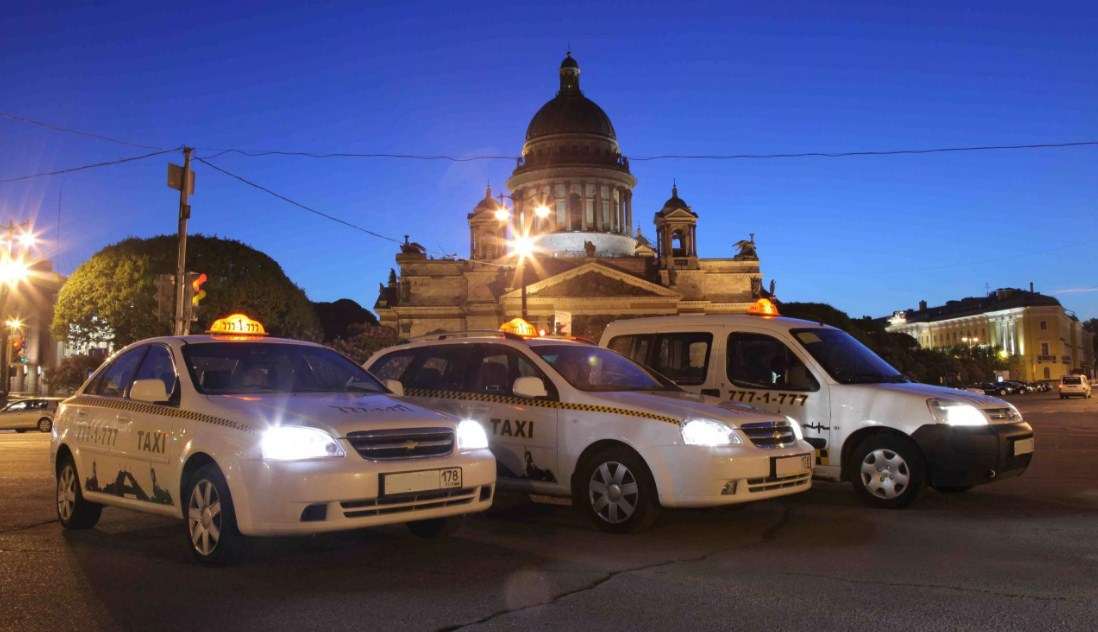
(45, 424)
(209, 518)
(615, 489)
(890, 473)
(72, 510)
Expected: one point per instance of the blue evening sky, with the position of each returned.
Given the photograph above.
(868, 235)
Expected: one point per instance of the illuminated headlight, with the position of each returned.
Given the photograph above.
(708, 432)
(954, 413)
(293, 443)
(471, 435)
(797, 431)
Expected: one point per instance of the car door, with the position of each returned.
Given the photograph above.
(157, 439)
(15, 416)
(770, 375)
(103, 433)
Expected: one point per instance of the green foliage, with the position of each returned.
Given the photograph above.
(364, 340)
(112, 296)
(957, 366)
(337, 318)
(67, 376)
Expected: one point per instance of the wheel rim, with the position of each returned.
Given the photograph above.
(66, 493)
(613, 492)
(885, 473)
(44, 425)
(204, 517)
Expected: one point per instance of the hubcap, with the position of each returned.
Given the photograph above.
(613, 492)
(204, 517)
(66, 493)
(885, 473)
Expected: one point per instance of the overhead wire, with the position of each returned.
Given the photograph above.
(94, 165)
(59, 128)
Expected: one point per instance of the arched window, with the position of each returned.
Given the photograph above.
(678, 244)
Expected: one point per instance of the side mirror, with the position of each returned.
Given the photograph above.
(529, 387)
(396, 387)
(151, 391)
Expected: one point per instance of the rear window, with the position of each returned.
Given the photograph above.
(1072, 379)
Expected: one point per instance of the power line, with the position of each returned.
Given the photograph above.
(309, 154)
(93, 165)
(68, 130)
(295, 202)
(849, 154)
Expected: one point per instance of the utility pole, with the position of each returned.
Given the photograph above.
(186, 187)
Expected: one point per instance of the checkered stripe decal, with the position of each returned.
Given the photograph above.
(539, 403)
(822, 457)
(156, 409)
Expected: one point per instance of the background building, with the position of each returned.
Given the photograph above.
(33, 348)
(1043, 340)
(572, 196)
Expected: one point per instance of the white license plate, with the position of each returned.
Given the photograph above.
(792, 465)
(421, 481)
(1023, 446)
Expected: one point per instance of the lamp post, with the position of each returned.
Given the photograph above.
(14, 269)
(522, 246)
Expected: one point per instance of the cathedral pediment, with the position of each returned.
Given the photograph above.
(594, 280)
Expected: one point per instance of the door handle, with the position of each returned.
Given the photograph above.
(80, 412)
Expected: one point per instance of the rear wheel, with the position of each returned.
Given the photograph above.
(45, 424)
(209, 519)
(615, 489)
(72, 510)
(889, 471)
(435, 527)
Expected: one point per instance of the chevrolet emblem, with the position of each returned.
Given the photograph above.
(775, 435)
(410, 445)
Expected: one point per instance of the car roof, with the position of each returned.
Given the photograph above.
(704, 320)
(452, 338)
(200, 338)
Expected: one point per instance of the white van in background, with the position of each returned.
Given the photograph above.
(1074, 386)
(869, 424)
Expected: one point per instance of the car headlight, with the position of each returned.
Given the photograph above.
(945, 411)
(708, 432)
(293, 443)
(471, 435)
(798, 432)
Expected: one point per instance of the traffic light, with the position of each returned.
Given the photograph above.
(197, 293)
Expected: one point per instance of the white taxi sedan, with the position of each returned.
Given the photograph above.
(248, 436)
(570, 419)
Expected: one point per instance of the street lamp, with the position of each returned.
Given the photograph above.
(15, 268)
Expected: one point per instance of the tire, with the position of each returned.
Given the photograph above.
(616, 491)
(45, 424)
(889, 472)
(435, 527)
(952, 489)
(20, 430)
(73, 512)
(209, 519)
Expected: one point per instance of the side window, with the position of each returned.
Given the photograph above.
(392, 366)
(683, 357)
(494, 373)
(634, 347)
(157, 365)
(760, 361)
(440, 368)
(116, 378)
(17, 407)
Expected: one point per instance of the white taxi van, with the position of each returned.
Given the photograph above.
(243, 435)
(570, 419)
(1074, 386)
(869, 424)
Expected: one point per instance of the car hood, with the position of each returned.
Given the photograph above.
(337, 413)
(679, 404)
(917, 389)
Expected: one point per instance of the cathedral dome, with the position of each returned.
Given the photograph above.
(570, 112)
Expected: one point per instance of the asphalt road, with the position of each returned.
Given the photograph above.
(1021, 554)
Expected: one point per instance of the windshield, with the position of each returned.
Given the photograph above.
(237, 368)
(845, 359)
(591, 368)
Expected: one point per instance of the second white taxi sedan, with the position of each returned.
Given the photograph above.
(243, 435)
(568, 418)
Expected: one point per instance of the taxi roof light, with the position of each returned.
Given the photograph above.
(238, 325)
(519, 327)
(763, 307)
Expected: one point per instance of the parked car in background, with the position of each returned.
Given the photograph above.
(1074, 386)
(29, 414)
(1020, 388)
(996, 389)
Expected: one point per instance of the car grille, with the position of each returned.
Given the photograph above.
(402, 443)
(417, 501)
(756, 485)
(770, 434)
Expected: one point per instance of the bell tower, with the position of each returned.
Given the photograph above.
(487, 231)
(676, 233)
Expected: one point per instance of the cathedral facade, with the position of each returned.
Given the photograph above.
(566, 253)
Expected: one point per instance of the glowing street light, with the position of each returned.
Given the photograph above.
(541, 211)
(13, 271)
(502, 214)
(14, 324)
(522, 247)
(27, 239)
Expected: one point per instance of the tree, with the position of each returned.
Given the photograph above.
(364, 340)
(337, 317)
(71, 372)
(111, 297)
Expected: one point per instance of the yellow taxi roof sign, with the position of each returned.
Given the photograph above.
(518, 327)
(237, 325)
(763, 307)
